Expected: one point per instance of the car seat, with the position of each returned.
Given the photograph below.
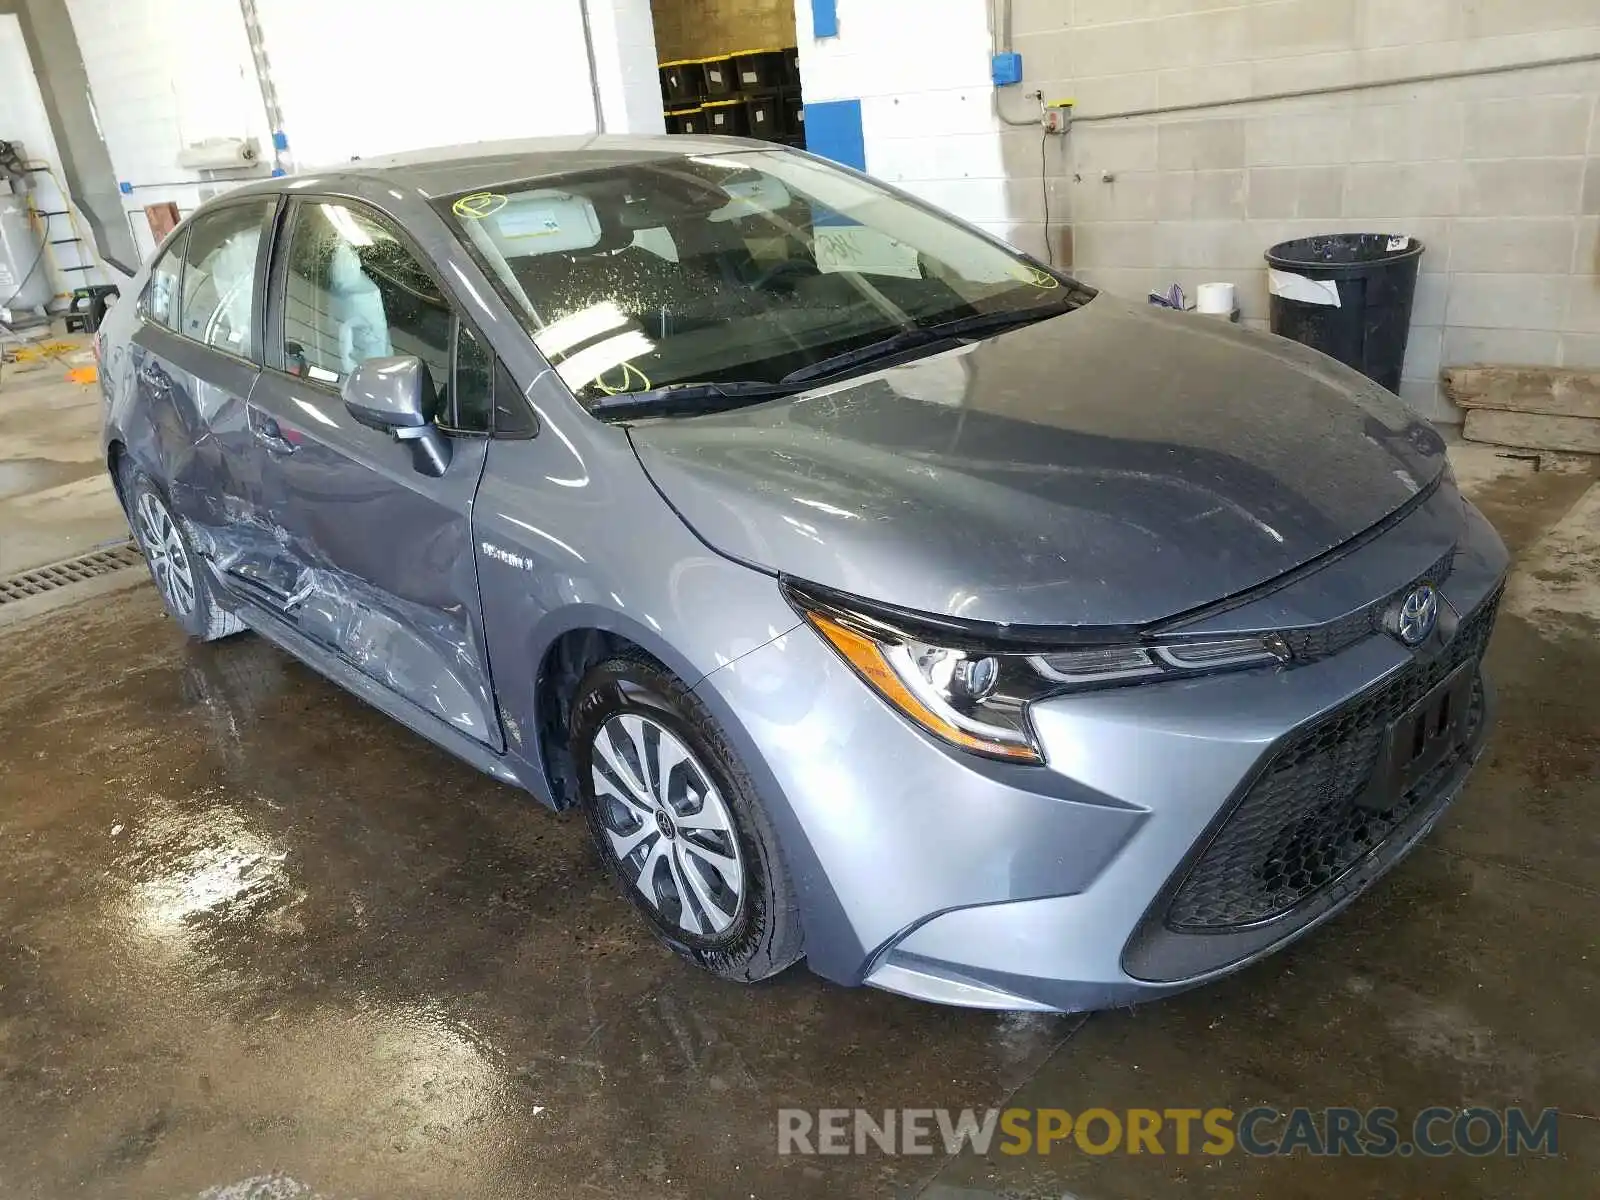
(355, 306)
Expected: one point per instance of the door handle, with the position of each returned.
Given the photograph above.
(266, 430)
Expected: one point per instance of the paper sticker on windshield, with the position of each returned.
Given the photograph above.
(478, 205)
(866, 252)
(747, 197)
(545, 222)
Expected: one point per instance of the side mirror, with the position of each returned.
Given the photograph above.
(391, 395)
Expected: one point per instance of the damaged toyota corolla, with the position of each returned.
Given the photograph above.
(882, 597)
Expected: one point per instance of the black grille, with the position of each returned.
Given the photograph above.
(1319, 641)
(1299, 828)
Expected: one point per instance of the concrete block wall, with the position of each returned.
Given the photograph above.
(1498, 172)
(701, 28)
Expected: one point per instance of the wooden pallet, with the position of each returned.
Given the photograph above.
(1534, 408)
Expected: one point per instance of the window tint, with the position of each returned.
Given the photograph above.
(354, 292)
(219, 277)
(474, 394)
(160, 300)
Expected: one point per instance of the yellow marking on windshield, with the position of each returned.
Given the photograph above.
(629, 372)
(1042, 280)
(478, 205)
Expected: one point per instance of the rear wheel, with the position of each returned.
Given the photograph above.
(179, 575)
(677, 821)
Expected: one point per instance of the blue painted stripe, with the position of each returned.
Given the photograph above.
(825, 18)
(833, 130)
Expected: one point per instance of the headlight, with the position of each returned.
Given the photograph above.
(975, 696)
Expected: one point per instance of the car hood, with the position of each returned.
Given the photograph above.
(1115, 465)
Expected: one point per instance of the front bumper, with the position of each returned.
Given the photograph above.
(933, 873)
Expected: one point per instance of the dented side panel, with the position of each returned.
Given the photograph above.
(189, 429)
(367, 556)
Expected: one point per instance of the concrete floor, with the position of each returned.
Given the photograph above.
(256, 940)
(54, 498)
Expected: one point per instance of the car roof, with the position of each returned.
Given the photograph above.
(446, 170)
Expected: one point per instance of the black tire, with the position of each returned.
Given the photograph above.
(764, 936)
(203, 616)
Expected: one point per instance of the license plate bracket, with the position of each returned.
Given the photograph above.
(1420, 739)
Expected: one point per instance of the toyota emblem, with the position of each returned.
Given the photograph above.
(1417, 615)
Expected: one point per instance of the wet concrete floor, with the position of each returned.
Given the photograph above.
(258, 941)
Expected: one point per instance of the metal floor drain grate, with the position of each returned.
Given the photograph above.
(73, 570)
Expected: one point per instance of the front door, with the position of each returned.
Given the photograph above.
(375, 559)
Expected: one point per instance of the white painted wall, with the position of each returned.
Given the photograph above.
(625, 61)
(164, 74)
(353, 79)
(922, 72)
(368, 79)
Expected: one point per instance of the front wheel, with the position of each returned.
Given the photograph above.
(179, 575)
(677, 821)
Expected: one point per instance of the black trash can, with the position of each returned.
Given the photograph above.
(1348, 295)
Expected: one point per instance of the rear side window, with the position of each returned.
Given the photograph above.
(353, 291)
(219, 278)
(160, 300)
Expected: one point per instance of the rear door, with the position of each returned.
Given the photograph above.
(195, 358)
(374, 560)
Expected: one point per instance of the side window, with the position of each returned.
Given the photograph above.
(473, 401)
(219, 276)
(512, 416)
(353, 292)
(160, 300)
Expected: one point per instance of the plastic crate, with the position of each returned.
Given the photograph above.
(791, 66)
(683, 83)
(759, 70)
(793, 115)
(727, 118)
(687, 120)
(722, 79)
(764, 117)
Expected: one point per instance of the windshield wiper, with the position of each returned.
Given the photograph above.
(684, 399)
(924, 335)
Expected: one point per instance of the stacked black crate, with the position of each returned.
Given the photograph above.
(725, 100)
(683, 92)
(791, 106)
(750, 93)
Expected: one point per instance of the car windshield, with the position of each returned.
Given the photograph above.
(745, 267)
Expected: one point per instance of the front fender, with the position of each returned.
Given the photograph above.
(571, 536)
